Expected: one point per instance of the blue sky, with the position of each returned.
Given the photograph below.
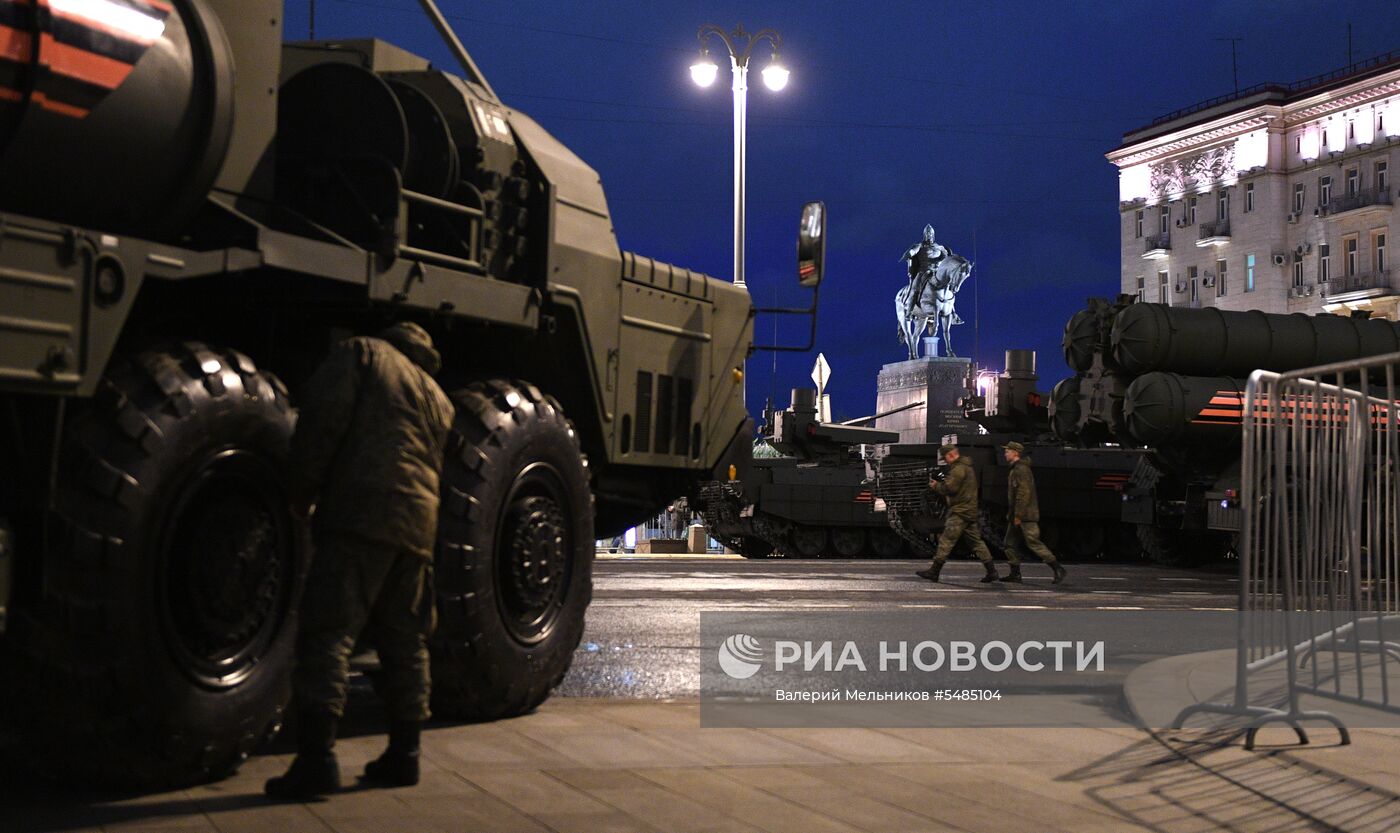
(988, 120)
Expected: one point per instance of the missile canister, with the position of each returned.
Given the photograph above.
(146, 159)
(1064, 409)
(1205, 342)
(1081, 339)
(1164, 408)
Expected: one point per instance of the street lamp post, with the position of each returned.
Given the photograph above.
(775, 77)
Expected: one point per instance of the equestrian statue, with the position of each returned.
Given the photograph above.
(935, 276)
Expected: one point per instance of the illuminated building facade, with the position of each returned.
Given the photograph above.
(1279, 198)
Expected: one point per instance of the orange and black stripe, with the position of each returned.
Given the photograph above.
(1226, 408)
(16, 48)
(85, 49)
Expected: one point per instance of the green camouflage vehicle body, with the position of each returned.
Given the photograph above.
(180, 246)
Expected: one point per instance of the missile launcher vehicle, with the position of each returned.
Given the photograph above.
(191, 214)
(1171, 381)
(808, 497)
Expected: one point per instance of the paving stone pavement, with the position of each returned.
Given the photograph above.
(597, 765)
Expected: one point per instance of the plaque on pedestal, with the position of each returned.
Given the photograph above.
(940, 382)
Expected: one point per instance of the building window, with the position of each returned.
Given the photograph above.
(1353, 181)
(1297, 269)
(1351, 253)
(1222, 205)
(1322, 146)
(1137, 222)
(1249, 273)
(1298, 144)
(1164, 220)
(1249, 197)
(1220, 288)
(1141, 288)
(1324, 191)
(1298, 190)
(1163, 285)
(1351, 130)
(1324, 263)
(1381, 176)
(1194, 286)
(1191, 211)
(1378, 247)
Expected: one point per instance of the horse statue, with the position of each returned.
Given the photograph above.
(935, 303)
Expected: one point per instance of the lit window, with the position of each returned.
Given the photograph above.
(1249, 273)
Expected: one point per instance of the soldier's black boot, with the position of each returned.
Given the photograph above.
(315, 771)
(991, 574)
(1059, 573)
(1014, 575)
(398, 766)
(932, 572)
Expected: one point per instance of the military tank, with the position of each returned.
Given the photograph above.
(1171, 381)
(1079, 490)
(806, 493)
(192, 214)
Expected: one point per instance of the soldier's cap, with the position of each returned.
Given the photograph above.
(1016, 447)
(944, 449)
(413, 341)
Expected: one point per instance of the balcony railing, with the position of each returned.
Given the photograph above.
(1359, 282)
(1158, 242)
(1218, 228)
(1360, 199)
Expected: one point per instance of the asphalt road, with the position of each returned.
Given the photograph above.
(643, 628)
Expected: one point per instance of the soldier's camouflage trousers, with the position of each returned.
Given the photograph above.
(959, 527)
(357, 587)
(1027, 535)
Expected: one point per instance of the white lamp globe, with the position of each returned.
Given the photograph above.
(775, 76)
(704, 71)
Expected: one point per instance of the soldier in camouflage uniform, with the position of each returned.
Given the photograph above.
(959, 488)
(367, 453)
(1023, 520)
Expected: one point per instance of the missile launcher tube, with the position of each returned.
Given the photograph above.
(1213, 342)
(1168, 408)
(142, 162)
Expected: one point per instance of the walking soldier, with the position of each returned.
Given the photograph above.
(959, 488)
(1023, 519)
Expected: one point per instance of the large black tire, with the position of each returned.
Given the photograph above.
(886, 543)
(1182, 548)
(807, 541)
(160, 653)
(514, 553)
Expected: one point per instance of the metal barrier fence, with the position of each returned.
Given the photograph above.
(1320, 558)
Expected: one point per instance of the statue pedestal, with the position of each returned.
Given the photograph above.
(940, 382)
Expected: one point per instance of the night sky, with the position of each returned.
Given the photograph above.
(987, 119)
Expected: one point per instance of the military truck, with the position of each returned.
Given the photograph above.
(808, 497)
(191, 214)
(1080, 491)
(1171, 381)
